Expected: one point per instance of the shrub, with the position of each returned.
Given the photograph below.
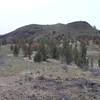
(16, 50)
(38, 57)
(99, 62)
(11, 47)
(41, 54)
(67, 52)
(54, 52)
(75, 55)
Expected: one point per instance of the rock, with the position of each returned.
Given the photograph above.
(65, 98)
(2, 60)
(95, 72)
(33, 97)
(41, 77)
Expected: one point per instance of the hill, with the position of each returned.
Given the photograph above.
(35, 31)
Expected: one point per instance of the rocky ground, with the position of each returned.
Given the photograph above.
(40, 87)
(24, 80)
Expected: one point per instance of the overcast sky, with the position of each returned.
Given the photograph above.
(17, 13)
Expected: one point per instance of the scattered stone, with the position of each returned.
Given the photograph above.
(65, 98)
(45, 88)
(41, 77)
(2, 60)
(33, 97)
(95, 72)
(65, 67)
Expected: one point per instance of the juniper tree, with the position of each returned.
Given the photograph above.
(11, 47)
(29, 49)
(83, 52)
(54, 50)
(38, 57)
(76, 55)
(83, 49)
(0, 45)
(67, 52)
(16, 50)
(4, 42)
(41, 54)
(55, 53)
(99, 62)
(25, 49)
(82, 59)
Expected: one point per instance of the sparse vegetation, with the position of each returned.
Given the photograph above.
(48, 64)
(76, 55)
(41, 54)
(67, 50)
(16, 50)
(38, 57)
(99, 62)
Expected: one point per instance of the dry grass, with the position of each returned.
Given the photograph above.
(16, 65)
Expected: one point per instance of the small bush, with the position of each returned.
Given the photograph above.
(11, 47)
(99, 62)
(16, 50)
(41, 54)
(38, 57)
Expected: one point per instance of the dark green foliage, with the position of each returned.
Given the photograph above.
(29, 50)
(99, 62)
(16, 50)
(15, 41)
(83, 50)
(41, 54)
(4, 42)
(50, 47)
(67, 52)
(82, 60)
(0, 44)
(11, 47)
(38, 57)
(92, 62)
(76, 56)
(54, 51)
(80, 63)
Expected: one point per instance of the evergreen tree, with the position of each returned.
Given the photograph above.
(79, 61)
(82, 60)
(29, 49)
(76, 55)
(67, 52)
(0, 45)
(54, 51)
(92, 62)
(41, 54)
(38, 57)
(99, 62)
(4, 42)
(11, 47)
(83, 49)
(83, 52)
(16, 50)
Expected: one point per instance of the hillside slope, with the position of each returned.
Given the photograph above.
(37, 31)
